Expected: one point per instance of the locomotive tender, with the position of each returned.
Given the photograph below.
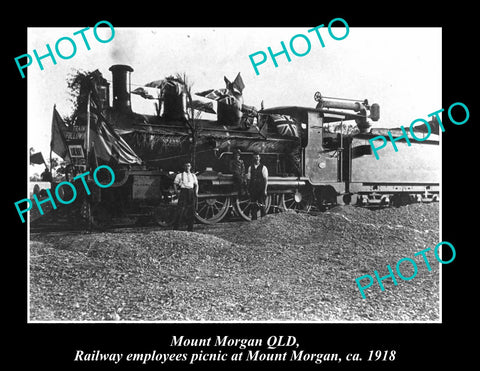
(314, 158)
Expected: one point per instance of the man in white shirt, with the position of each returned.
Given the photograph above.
(186, 186)
(257, 176)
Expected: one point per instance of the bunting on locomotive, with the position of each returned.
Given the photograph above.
(177, 132)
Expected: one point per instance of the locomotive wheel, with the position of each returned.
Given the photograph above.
(243, 206)
(212, 209)
(275, 206)
(298, 201)
(165, 214)
(101, 217)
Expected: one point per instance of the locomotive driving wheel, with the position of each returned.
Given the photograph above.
(101, 217)
(211, 210)
(165, 212)
(243, 206)
(298, 201)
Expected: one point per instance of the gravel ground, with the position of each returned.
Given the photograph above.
(284, 267)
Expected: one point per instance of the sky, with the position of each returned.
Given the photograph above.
(398, 68)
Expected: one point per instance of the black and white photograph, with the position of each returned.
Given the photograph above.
(238, 191)
(232, 195)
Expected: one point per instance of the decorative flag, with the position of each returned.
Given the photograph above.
(58, 143)
(105, 142)
(214, 94)
(147, 93)
(202, 106)
(236, 86)
(233, 89)
(37, 158)
(285, 125)
(108, 144)
(159, 84)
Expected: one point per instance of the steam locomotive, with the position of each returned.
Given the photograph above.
(316, 156)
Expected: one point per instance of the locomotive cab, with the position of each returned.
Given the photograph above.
(327, 143)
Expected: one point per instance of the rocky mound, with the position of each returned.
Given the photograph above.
(287, 266)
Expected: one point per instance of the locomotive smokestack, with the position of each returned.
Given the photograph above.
(121, 87)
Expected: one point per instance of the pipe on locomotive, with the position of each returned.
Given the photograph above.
(356, 105)
(272, 181)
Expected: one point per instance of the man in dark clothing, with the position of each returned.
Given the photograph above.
(257, 176)
(237, 167)
(46, 175)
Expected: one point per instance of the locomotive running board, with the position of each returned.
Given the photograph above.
(359, 187)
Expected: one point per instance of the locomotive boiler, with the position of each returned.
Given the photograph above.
(309, 151)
